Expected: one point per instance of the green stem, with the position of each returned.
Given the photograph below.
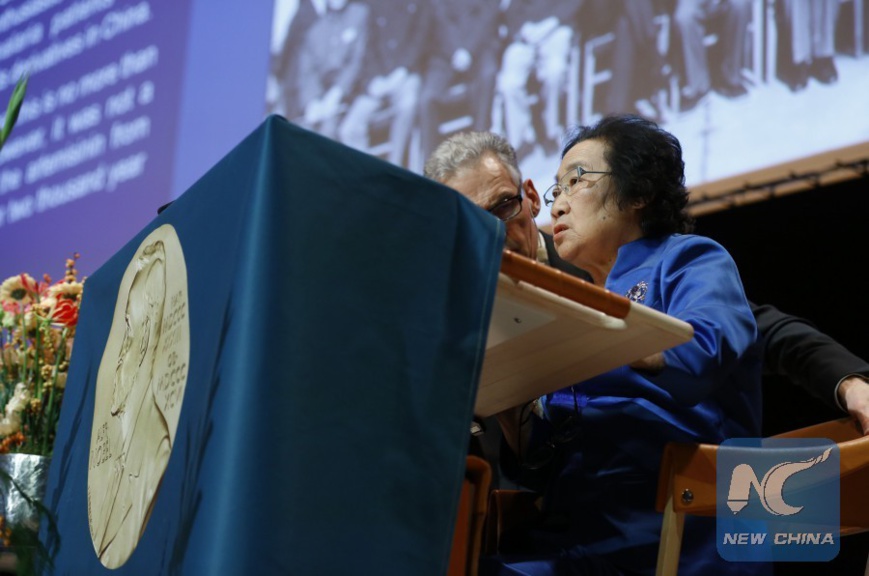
(48, 415)
(37, 364)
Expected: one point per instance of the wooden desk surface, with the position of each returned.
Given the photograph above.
(550, 330)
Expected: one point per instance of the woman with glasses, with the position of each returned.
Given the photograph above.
(618, 212)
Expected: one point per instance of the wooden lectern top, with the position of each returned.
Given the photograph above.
(550, 330)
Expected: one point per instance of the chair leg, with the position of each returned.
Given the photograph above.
(671, 541)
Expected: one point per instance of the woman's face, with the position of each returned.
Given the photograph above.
(587, 225)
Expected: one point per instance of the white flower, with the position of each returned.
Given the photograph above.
(11, 421)
(65, 290)
(18, 289)
(47, 304)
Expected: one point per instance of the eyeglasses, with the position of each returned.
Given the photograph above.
(570, 183)
(508, 208)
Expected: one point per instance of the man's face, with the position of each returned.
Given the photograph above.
(489, 183)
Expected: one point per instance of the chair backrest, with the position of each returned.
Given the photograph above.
(471, 515)
(686, 484)
(511, 514)
(853, 470)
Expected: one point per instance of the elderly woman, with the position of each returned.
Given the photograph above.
(618, 212)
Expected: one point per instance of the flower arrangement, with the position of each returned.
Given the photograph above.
(37, 328)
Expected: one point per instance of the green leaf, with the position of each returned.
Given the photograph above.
(13, 108)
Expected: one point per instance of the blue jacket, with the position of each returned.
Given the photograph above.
(609, 432)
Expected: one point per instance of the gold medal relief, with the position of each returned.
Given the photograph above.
(139, 393)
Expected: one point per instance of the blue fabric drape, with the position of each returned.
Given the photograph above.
(338, 310)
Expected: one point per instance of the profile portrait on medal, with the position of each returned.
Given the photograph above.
(140, 387)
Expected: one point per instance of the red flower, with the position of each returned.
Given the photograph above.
(65, 312)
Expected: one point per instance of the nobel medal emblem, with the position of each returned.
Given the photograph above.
(140, 388)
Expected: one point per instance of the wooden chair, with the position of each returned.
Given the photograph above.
(687, 484)
(473, 503)
(511, 512)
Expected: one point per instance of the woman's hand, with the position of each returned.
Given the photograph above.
(652, 364)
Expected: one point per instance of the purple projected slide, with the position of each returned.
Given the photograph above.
(91, 157)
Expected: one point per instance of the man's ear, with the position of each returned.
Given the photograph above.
(531, 196)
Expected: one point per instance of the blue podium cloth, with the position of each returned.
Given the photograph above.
(338, 310)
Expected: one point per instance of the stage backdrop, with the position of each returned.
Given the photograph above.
(131, 101)
(297, 341)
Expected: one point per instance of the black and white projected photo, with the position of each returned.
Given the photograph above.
(131, 101)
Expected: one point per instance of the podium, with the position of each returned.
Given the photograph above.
(337, 309)
(277, 375)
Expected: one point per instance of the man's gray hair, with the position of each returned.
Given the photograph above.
(465, 150)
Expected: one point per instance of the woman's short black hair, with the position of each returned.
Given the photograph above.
(647, 168)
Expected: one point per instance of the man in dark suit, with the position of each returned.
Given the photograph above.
(391, 73)
(463, 37)
(539, 34)
(330, 64)
(692, 19)
(483, 167)
(285, 62)
(806, 41)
